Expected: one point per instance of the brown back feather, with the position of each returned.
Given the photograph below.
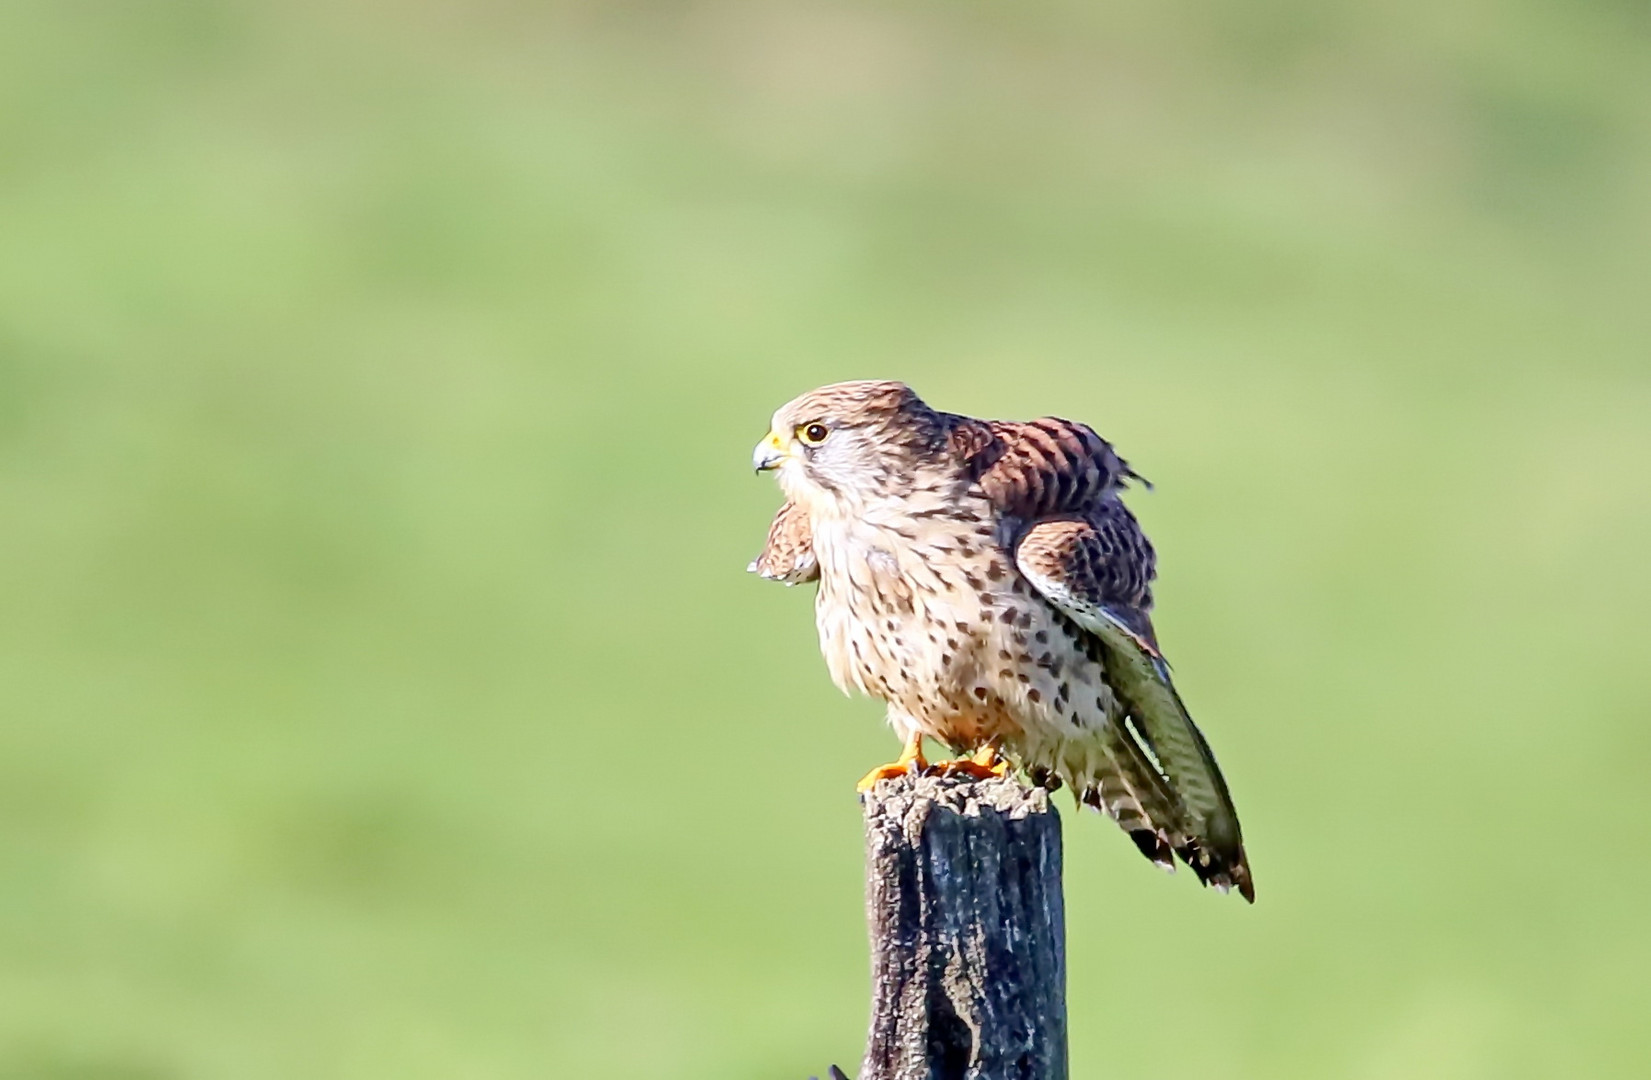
(1040, 468)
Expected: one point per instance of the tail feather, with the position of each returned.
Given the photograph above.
(1119, 791)
(1131, 787)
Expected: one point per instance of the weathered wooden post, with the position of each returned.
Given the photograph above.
(968, 931)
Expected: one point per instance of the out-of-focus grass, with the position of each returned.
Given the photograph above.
(381, 693)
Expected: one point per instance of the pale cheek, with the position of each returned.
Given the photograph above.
(794, 481)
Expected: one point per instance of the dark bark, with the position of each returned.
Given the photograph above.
(968, 933)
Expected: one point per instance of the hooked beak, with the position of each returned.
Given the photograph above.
(769, 454)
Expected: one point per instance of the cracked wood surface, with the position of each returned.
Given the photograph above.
(968, 936)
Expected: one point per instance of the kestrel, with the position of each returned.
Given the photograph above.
(984, 579)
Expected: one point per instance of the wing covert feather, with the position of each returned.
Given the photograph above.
(1041, 468)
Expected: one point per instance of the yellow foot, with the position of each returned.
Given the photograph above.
(983, 765)
(910, 762)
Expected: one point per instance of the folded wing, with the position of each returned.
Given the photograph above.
(1096, 570)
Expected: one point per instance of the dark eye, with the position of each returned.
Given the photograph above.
(813, 434)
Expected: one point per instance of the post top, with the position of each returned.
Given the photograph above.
(959, 794)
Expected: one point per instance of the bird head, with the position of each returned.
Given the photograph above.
(849, 443)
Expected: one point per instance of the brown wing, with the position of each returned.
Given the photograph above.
(1060, 474)
(1041, 468)
(1097, 571)
(1056, 482)
(788, 555)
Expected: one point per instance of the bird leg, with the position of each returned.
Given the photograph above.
(910, 761)
(983, 764)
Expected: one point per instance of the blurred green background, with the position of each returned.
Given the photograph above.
(381, 693)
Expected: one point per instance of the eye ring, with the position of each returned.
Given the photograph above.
(813, 434)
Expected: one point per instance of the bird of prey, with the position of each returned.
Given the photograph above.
(984, 578)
